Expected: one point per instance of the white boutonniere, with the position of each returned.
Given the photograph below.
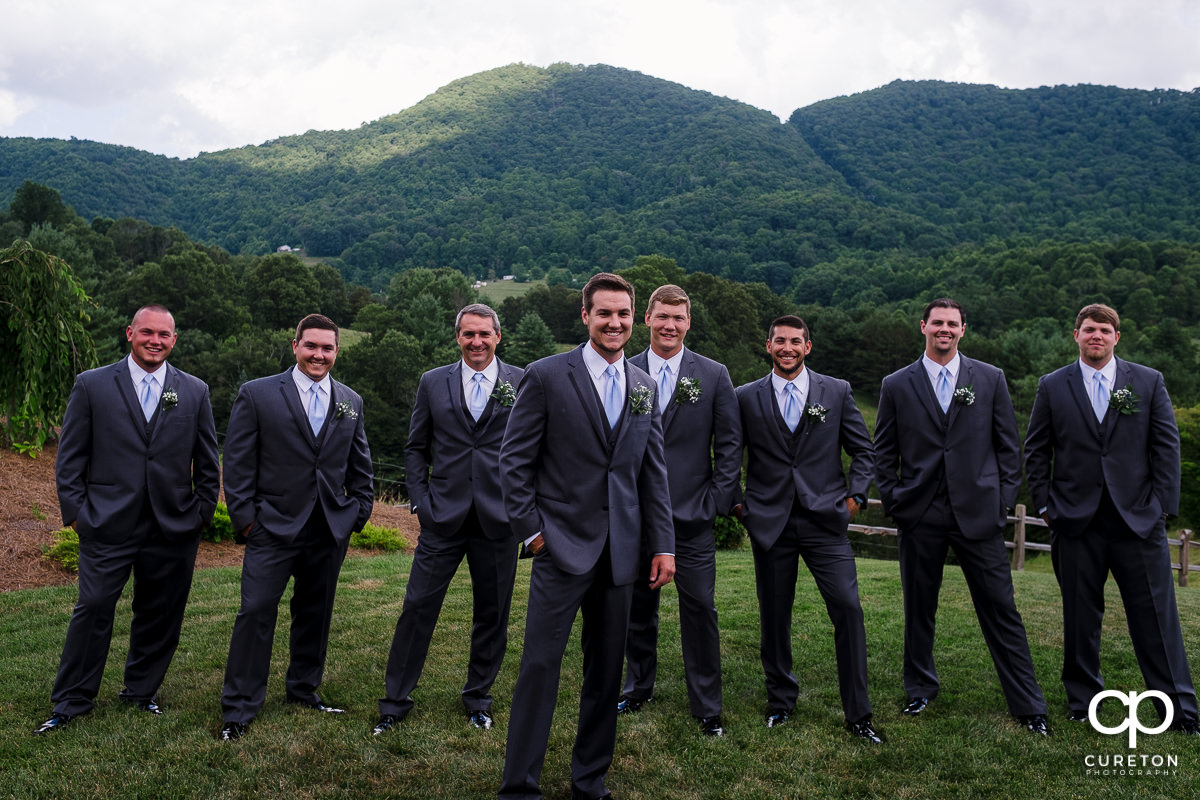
(1124, 400)
(170, 398)
(504, 394)
(965, 395)
(688, 391)
(816, 411)
(641, 400)
(344, 409)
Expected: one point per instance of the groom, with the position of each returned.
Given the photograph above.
(584, 480)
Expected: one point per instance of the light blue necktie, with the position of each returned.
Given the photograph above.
(791, 406)
(612, 396)
(664, 386)
(316, 410)
(478, 400)
(149, 396)
(1099, 396)
(944, 390)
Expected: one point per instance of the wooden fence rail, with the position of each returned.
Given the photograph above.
(1020, 523)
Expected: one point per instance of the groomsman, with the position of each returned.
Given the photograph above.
(297, 482)
(584, 483)
(703, 446)
(452, 463)
(138, 478)
(798, 504)
(1102, 458)
(948, 466)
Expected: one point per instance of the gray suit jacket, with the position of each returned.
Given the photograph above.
(109, 459)
(974, 448)
(277, 472)
(565, 475)
(702, 442)
(1069, 456)
(452, 461)
(810, 475)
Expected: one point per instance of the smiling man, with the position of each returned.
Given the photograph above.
(452, 465)
(702, 435)
(948, 466)
(138, 479)
(298, 481)
(1102, 459)
(798, 504)
(585, 486)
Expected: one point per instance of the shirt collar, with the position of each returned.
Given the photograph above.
(305, 383)
(933, 368)
(1109, 371)
(490, 373)
(780, 384)
(655, 362)
(596, 364)
(138, 374)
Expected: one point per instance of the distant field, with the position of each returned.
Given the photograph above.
(497, 291)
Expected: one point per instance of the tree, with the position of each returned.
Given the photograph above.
(530, 341)
(43, 311)
(35, 204)
(281, 290)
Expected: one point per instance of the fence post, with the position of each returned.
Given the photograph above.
(1019, 538)
(1185, 538)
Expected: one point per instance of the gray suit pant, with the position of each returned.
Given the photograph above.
(314, 558)
(695, 582)
(1142, 569)
(830, 559)
(555, 597)
(162, 577)
(493, 567)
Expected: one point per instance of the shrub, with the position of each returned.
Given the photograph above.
(65, 549)
(221, 528)
(374, 537)
(729, 533)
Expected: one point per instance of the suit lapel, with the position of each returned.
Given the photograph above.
(454, 389)
(1121, 378)
(504, 373)
(918, 378)
(965, 378)
(585, 391)
(291, 399)
(687, 369)
(124, 382)
(170, 379)
(767, 408)
(1075, 386)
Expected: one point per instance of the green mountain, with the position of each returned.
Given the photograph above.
(528, 170)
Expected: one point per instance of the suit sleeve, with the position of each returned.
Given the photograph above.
(856, 441)
(206, 464)
(520, 452)
(241, 460)
(74, 453)
(360, 475)
(654, 493)
(1164, 448)
(418, 452)
(727, 445)
(887, 448)
(1039, 448)
(1006, 442)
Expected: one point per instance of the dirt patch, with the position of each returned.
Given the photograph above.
(29, 517)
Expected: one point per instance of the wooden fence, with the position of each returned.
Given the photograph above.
(1021, 522)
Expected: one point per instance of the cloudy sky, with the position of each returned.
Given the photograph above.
(179, 78)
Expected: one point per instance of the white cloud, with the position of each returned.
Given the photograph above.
(179, 79)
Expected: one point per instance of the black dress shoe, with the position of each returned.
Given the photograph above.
(385, 724)
(1035, 723)
(480, 719)
(1189, 727)
(631, 705)
(1077, 716)
(711, 726)
(150, 707)
(864, 730)
(915, 706)
(778, 718)
(232, 731)
(316, 705)
(56, 722)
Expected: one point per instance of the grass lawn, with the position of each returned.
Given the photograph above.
(965, 746)
(497, 291)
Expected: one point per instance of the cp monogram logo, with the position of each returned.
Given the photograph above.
(1132, 700)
